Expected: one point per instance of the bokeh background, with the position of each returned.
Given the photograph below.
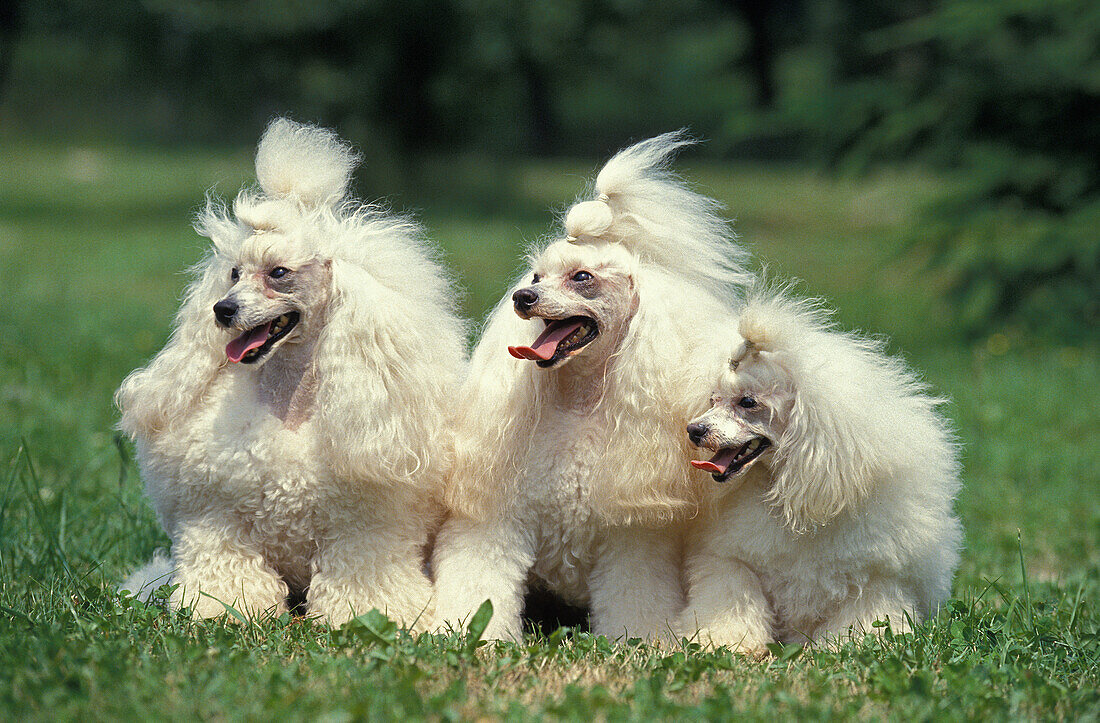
(1003, 93)
(928, 166)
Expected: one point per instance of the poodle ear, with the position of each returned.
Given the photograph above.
(496, 409)
(386, 366)
(152, 397)
(823, 464)
(660, 379)
(829, 454)
(310, 164)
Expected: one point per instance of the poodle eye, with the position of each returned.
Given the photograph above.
(535, 279)
(278, 272)
(235, 274)
(748, 402)
(582, 276)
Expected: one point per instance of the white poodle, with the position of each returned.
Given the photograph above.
(836, 479)
(571, 462)
(292, 432)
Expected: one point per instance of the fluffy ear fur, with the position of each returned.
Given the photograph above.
(389, 356)
(656, 383)
(857, 419)
(659, 219)
(150, 398)
(310, 164)
(497, 406)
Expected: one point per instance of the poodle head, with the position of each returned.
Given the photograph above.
(748, 417)
(303, 275)
(276, 295)
(586, 297)
(826, 412)
(277, 277)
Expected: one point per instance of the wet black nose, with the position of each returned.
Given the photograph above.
(224, 311)
(524, 299)
(696, 432)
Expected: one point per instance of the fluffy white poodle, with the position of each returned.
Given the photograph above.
(292, 432)
(836, 475)
(571, 461)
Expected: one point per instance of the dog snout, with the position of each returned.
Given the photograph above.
(696, 432)
(224, 311)
(525, 299)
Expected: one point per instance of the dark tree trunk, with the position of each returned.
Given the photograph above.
(11, 22)
(762, 47)
(541, 125)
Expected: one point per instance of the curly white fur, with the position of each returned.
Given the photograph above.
(318, 469)
(573, 475)
(847, 518)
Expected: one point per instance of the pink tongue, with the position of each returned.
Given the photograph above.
(246, 342)
(719, 463)
(547, 343)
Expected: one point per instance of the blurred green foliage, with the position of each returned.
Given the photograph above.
(1007, 93)
(1004, 93)
(496, 75)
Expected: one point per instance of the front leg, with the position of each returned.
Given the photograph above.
(878, 599)
(364, 569)
(635, 584)
(217, 563)
(478, 561)
(726, 605)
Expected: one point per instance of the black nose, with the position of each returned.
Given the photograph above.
(224, 311)
(696, 432)
(524, 299)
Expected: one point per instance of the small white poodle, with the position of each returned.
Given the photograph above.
(836, 475)
(292, 433)
(571, 462)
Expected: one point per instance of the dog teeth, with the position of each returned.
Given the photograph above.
(753, 444)
(577, 335)
(280, 323)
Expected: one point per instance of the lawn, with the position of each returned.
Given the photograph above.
(92, 245)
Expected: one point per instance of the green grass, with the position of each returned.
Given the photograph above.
(92, 245)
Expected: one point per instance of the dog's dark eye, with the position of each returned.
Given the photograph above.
(234, 275)
(278, 272)
(582, 276)
(747, 402)
(535, 279)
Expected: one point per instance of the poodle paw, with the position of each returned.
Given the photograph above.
(231, 606)
(741, 639)
(503, 631)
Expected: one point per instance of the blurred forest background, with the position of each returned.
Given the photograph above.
(1001, 95)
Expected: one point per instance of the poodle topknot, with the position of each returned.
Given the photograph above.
(571, 464)
(641, 204)
(833, 479)
(307, 163)
(292, 433)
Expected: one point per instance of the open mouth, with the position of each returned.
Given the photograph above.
(252, 345)
(561, 338)
(731, 460)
